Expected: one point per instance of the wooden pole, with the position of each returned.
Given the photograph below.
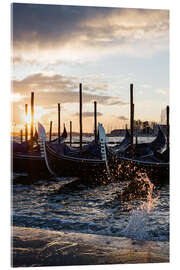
(95, 121)
(131, 117)
(21, 135)
(26, 123)
(70, 133)
(50, 131)
(32, 119)
(80, 115)
(167, 113)
(59, 121)
(135, 127)
(136, 133)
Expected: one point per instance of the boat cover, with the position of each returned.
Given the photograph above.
(91, 150)
(20, 147)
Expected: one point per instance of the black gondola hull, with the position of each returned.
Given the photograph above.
(158, 172)
(32, 164)
(64, 166)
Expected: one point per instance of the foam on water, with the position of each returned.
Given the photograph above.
(91, 210)
(138, 221)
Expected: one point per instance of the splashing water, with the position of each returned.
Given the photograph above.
(137, 225)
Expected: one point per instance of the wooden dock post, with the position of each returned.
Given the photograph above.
(50, 131)
(131, 117)
(59, 122)
(26, 122)
(32, 120)
(70, 133)
(167, 116)
(21, 135)
(80, 115)
(136, 130)
(95, 121)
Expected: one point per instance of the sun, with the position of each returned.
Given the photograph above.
(38, 113)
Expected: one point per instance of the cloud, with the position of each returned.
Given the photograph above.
(71, 31)
(122, 117)
(162, 91)
(41, 82)
(16, 97)
(17, 60)
(89, 114)
(59, 88)
(96, 86)
(146, 86)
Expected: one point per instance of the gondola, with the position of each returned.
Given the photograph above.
(62, 160)
(123, 145)
(156, 167)
(141, 149)
(25, 160)
(31, 161)
(151, 158)
(158, 144)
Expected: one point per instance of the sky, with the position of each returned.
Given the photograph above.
(56, 47)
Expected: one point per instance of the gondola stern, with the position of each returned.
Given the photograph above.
(41, 131)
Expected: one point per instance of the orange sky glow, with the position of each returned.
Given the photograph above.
(105, 49)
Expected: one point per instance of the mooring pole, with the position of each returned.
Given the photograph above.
(131, 117)
(80, 115)
(135, 124)
(26, 122)
(95, 121)
(32, 119)
(167, 116)
(59, 121)
(21, 135)
(50, 131)
(70, 133)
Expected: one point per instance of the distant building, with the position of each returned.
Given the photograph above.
(146, 128)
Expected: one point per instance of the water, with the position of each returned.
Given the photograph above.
(94, 210)
(117, 139)
(89, 210)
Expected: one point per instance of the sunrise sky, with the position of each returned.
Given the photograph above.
(56, 47)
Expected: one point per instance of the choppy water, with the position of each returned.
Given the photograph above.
(89, 210)
(109, 139)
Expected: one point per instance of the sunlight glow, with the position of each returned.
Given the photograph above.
(38, 114)
(16, 97)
